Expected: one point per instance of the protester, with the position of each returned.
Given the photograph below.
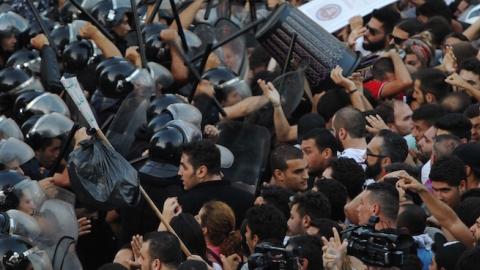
(356, 152)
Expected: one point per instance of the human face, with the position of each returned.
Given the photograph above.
(417, 93)
(418, 129)
(412, 60)
(187, 173)
(375, 37)
(8, 43)
(425, 144)
(250, 239)
(374, 158)
(48, 155)
(403, 118)
(295, 222)
(316, 160)
(123, 28)
(475, 129)
(365, 208)
(398, 36)
(475, 229)
(232, 98)
(447, 194)
(146, 262)
(26, 205)
(296, 176)
(471, 78)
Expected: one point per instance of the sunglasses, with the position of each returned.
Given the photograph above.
(375, 155)
(397, 40)
(372, 31)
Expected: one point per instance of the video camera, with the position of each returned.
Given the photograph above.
(270, 257)
(375, 248)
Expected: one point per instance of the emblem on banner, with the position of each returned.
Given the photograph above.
(328, 12)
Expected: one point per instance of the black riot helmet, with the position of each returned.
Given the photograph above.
(13, 251)
(10, 178)
(29, 123)
(35, 28)
(153, 29)
(176, 111)
(39, 103)
(156, 50)
(77, 56)
(69, 12)
(115, 80)
(21, 103)
(60, 37)
(11, 79)
(107, 62)
(165, 145)
(28, 60)
(218, 77)
(160, 103)
(110, 12)
(48, 126)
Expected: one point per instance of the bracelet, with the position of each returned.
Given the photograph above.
(353, 91)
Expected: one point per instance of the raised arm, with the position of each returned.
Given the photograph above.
(89, 31)
(402, 81)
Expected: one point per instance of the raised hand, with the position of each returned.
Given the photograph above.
(88, 31)
(271, 92)
(339, 79)
(375, 124)
(334, 251)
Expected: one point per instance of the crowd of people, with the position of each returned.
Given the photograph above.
(249, 167)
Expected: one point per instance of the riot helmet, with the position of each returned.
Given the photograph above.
(160, 103)
(176, 111)
(29, 123)
(48, 126)
(115, 80)
(28, 60)
(12, 23)
(111, 12)
(9, 129)
(14, 153)
(13, 252)
(60, 37)
(15, 81)
(77, 56)
(69, 12)
(45, 103)
(225, 82)
(162, 77)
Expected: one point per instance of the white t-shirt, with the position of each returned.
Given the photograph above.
(426, 171)
(357, 154)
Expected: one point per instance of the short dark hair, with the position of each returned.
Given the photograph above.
(112, 266)
(281, 154)
(388, 17)
(456, 124)
(456, 35)
(410, 25)
(414, 218)
(381, 66)
(439, 27)
(277, 197)
(312, 203)
(386, 111)
(471, 64)
(309, 246)
(325, 226)
(267, 222)
(432, 81)
(469, 260)
(450, 169)
(428, 113)
(394, 146)
(472, 111)
(387, 196)
(468, 210)
(463, 50)
(352, 121)
(165, 247)
(456, 102)
(205, 153)
(331, 102)
(190, 231)
(349, 173)
(337, 195)
(309, 122)
(323, 139)
(445, 144)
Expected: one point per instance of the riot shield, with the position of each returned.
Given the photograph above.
(132, 113)
(31, 84)
(31, 193)
(11, 21)
(291, 87)
(14, 153)
(9, 128)
(206, 32)
(59, 228)
(162, 77)
(23, 225)
(47, 103)
(250, 145)
(234, 53)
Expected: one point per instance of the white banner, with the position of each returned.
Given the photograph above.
(73, 88)
(332, 15)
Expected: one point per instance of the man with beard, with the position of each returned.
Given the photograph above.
(425, 146)
(377, 31)
(319, 147)
(349, 126)
(384, 149)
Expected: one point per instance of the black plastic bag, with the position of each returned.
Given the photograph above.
(101, 177)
